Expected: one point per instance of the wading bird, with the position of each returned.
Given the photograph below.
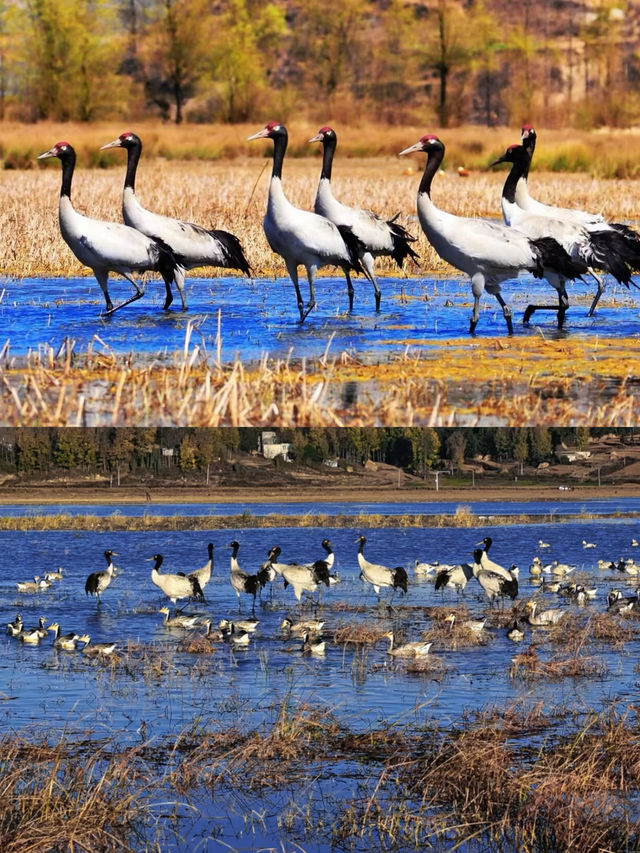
(109, 246)
(622, 241)
(303, 238)
(194, 245)
(175, 586)
(379, 237)
(97, 582)
(380, 576)
(203, 575)
(488, 252)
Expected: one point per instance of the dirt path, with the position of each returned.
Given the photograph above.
(193, 494)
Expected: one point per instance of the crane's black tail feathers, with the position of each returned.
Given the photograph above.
(612, 252)
(91, 586)
(442, 579)
(252, 585)
(233, 252)
(632, 241)
(510, 588)
(167, 260)
(321, 572)
(197, 593)
(355, 248)
(400, 579)
(552, 256)
(401, 239)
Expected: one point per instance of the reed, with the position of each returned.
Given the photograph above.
(228, 184)
(517, 382)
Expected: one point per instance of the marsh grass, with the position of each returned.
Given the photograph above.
(228, 181)
(509, 382)
(506, 778)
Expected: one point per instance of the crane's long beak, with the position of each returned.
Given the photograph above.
(261, 134)
(115, 144)
(50, 153)
(317, 138)
(499, 160)
(411, 149)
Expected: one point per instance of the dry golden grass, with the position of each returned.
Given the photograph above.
(525, 382)
(212, 176)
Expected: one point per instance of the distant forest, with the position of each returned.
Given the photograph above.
(556, 62)
(186, 451)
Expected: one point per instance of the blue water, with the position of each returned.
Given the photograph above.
(606, 506)
(260, 316)
(245, 688)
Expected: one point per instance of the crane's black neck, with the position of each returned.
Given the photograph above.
(210, 550)
(107, 556)
(280, 140)
(327, 546)
(329, 143)
(361, 548)
(529, 145)
(158, 559)
(519, 168)
(235, 547)
(68, 160)
(477, 555)
(435, 155)
(134, 150)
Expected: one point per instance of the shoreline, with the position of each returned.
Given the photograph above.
(136, 494)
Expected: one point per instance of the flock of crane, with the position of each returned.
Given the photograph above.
(556, 244)
(306, 579)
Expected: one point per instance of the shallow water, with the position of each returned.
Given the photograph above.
(245, 688)
(606, 506)
(259, 316)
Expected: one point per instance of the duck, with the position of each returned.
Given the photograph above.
(515, 632)
(312, 644)
(179, 620)
(95, 649)
(299, 629)
(544, 619)
(66, 642)
(422, 568)
(475, 625)
(247, 626)
(14, 628)
(408, 650)
(586, 544)
(542, 544)
(36, 585)
(53, 576)
(33, 635)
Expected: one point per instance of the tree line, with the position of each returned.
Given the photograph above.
(444, 61)
(185, 451)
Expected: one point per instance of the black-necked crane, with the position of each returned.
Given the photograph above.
(494, 584)
(454, 577)
(622, 241)
(303, 578)
(241, 581)
(380, 576)
(97, 582)
(203, 575)
(379, 237)
(175, 586)
(490, 565)
(589, 250)
(107, 247)
(303, 238)
(194, 245)
(488, 252)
